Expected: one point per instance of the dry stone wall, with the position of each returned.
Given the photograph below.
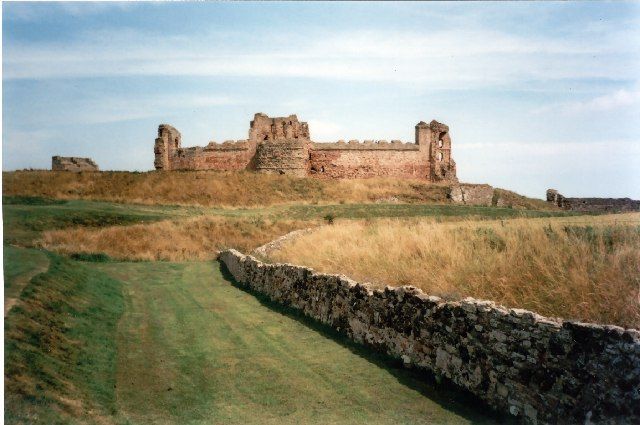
(538, 369)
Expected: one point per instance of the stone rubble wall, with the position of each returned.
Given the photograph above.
(72, 163)
(538, 369)
(597, 205)
(472, 194)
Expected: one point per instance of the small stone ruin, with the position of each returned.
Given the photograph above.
(72, 163)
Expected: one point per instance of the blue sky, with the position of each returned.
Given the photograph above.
(537, 95)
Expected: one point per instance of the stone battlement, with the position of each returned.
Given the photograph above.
(283, 145)
(228, 145)
(366, 145)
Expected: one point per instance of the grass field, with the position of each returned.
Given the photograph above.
(231, 189)
(179, 233)
(574, 267)
(140, 343)
(100, 341)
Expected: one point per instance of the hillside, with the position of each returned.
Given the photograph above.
(239, 189)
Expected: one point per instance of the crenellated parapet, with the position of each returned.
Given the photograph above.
(366, 145)
(264, 128)
(283, 145)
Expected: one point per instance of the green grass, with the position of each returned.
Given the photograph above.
(178, 343)
(60, 346)
(18, 263)
(193, 348)
(26, 217)
(365, 211)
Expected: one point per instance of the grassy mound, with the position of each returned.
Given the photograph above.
(232, 189)
(60, 352)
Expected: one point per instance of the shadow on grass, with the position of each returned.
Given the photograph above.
(442, 391)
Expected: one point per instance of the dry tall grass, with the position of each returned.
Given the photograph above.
(184, 240)
(585, 268)
(210, 188)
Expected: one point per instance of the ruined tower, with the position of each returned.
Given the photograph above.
(282, 144)
(167, 144)
(434, 141)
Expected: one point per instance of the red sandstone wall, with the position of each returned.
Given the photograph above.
(359, 163)
(221, 158)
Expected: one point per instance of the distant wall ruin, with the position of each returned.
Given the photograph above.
(283, 145)
(72, 163)
(592, 204)
(542, 370)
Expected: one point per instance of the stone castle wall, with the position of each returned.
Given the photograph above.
(227, 156)
(283, 157)
(539, 369)
(72, 163)
(596, 205)
(368, 159)
(283, 145)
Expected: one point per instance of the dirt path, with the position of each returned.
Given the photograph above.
(192, 348)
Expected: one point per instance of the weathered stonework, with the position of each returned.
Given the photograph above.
(539, 369)
(283, 146)
(592, 204)
(72, 163)
(472, 194)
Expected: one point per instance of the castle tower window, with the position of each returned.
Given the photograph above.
(440, 143)
(439, 156)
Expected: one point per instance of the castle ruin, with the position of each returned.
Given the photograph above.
(283, 145)
(73, 163)
(597, 205)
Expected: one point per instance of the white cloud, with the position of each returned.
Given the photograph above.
(325, 131)
(35, 10)
(607, 102)
(113, 109)
(615, 100)
(451, 58)
(526, 151)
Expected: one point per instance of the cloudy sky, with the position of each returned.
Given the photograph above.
(537, 95)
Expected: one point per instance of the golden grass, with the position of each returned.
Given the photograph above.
(192, 239)
(211, 188)
(585, 268)
(233, 189)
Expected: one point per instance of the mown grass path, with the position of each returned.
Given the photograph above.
(193, 348)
